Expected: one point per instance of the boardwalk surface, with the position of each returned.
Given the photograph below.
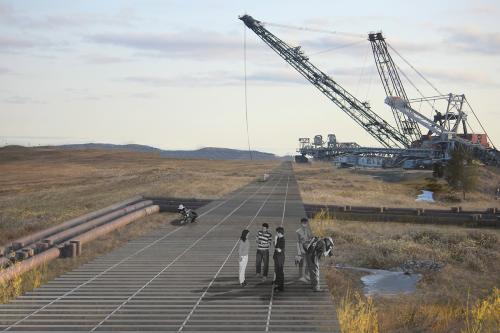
(185, 278)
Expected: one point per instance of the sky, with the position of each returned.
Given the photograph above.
(170, 74)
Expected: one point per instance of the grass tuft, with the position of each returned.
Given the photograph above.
(357, 314)
(21, 283)
(484, 316)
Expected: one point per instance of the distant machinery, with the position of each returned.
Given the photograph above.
(404, 144)
(351, 153)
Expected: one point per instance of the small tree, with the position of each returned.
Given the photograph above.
(461, 172)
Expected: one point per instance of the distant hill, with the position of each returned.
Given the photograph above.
(218, 154)
(210, 153)
(130, 147)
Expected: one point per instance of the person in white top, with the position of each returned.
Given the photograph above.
(304, 235)
(244, 247)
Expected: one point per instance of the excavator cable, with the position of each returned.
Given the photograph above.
(246, 95)
(413, 85)
(337, 47)
(370, 80)
(416, 71)
(285, 26)
(480, 124)
(361, 74)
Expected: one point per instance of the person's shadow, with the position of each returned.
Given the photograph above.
(228, 288)
(178, 223)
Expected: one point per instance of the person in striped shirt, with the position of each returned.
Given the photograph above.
(264, 239)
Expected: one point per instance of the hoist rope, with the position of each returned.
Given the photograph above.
(480, 124)
(416, 71)
(362, 73)
(312, 29)
(246, 97)
(337, 47)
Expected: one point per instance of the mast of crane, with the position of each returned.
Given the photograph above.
(392, 84)
(360, 112)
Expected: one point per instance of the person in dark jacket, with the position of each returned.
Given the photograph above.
(279, 259)
(315, 250)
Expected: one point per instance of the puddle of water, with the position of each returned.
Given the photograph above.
(382, 282)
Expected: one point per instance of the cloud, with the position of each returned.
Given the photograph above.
(198, 45)
(221, 78)
(96, 59)
(143, 95)
(124, 17)
(460, 77)
(5, 71)
(6, 13)
(473, 40)
(22, 100)
(8, 43)
(215, 78)
(76, 21)
(487, 10)
(14, 43)
(276, 77)
(85, 94)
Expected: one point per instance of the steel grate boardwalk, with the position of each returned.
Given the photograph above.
(185, 278)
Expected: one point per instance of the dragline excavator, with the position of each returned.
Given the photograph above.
(404, 141)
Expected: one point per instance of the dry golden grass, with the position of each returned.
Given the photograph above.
(462, 294)
(40, 187)
(484, 316)
(357, 314)
(322, 183)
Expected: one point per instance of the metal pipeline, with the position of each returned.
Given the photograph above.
(113, 225)
(65, 234)
(8, 274)
(30, 239)
(53, 253)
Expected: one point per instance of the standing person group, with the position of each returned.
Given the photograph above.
(264, 241)
(310, 250)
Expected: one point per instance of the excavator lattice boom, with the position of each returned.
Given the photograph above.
(360, 112)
